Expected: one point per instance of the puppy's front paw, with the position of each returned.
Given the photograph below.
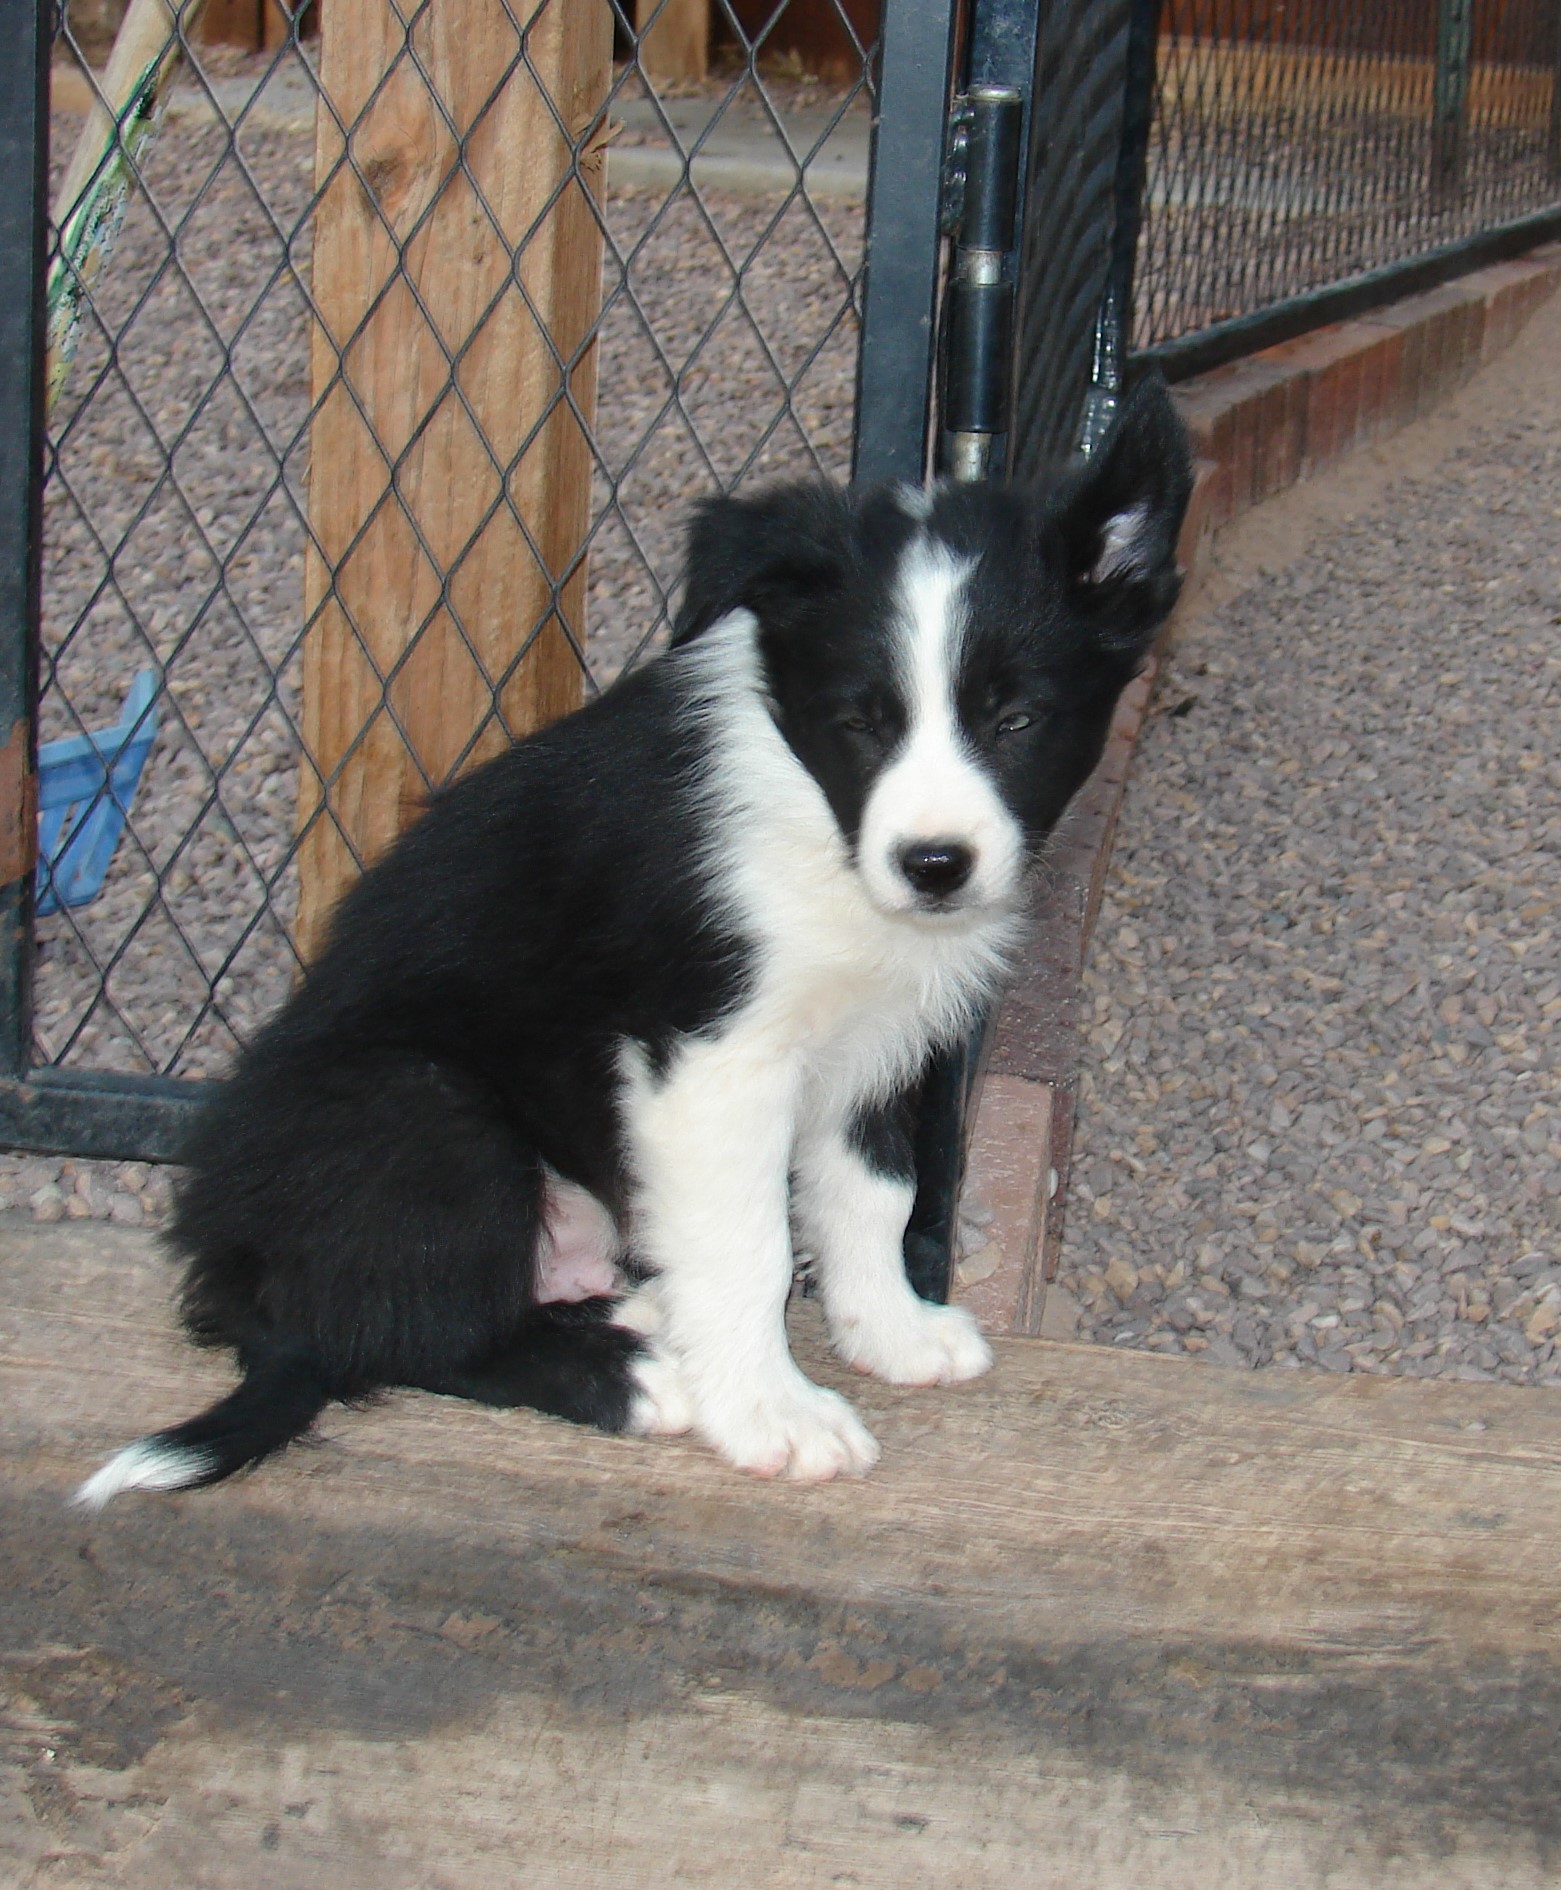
(797, 1430)
(914, 1343)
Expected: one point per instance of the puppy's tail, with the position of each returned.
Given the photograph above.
(285, 1388)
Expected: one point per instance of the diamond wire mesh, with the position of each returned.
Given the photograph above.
(1297, 146)
(178, 517)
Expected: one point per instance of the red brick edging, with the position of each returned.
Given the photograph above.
(1258, 427)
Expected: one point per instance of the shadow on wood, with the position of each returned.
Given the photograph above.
(1100, 1618)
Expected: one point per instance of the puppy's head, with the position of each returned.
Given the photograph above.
(945, 664)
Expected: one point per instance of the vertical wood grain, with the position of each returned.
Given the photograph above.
(674, 43)
(450, 480)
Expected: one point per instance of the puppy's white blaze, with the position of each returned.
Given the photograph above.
(934, 789)
(146, 1465)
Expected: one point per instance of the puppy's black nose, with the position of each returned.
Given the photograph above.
(937, 867)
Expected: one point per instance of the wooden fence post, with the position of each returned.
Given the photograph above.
(674, 42)
(441, 441)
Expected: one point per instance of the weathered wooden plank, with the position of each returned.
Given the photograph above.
(1143, 1618)
(457, 271)
(1074, 1486)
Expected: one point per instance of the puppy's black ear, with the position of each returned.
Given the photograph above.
(763, 553)
(1120, 517)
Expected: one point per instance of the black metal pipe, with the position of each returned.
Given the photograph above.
(98, 1114)
(978, 355)
(904, 241)
(995, 117)
(1114, 323)
(980, 349)
(26, 32)
(1223, 342)
(1000, 57)
(976, 397)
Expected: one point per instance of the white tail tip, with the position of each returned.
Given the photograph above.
(147, 1465)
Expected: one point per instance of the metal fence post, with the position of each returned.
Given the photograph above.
(1450, 105)
(1553, 141)
(974, 402)
(904, 241)
(25, 39)
(1114, 324)
(894, 431)
(994, 128)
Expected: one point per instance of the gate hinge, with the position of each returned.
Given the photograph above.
(954, 167)
(981, 195)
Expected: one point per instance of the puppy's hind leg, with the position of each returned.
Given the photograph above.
(569, 1358)
(390, 1211)
(855, 1184)
(584, 1352)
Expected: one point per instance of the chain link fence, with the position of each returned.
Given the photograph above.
(421, 330)
(1209, 176)
(1297, 147)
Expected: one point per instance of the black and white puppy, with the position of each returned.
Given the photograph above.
(652, 988)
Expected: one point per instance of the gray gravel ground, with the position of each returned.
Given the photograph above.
(1321, 1120)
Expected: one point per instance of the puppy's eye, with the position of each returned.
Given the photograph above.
(858, 725)
(1012, 724)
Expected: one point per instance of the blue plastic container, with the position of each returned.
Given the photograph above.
(86, 785)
